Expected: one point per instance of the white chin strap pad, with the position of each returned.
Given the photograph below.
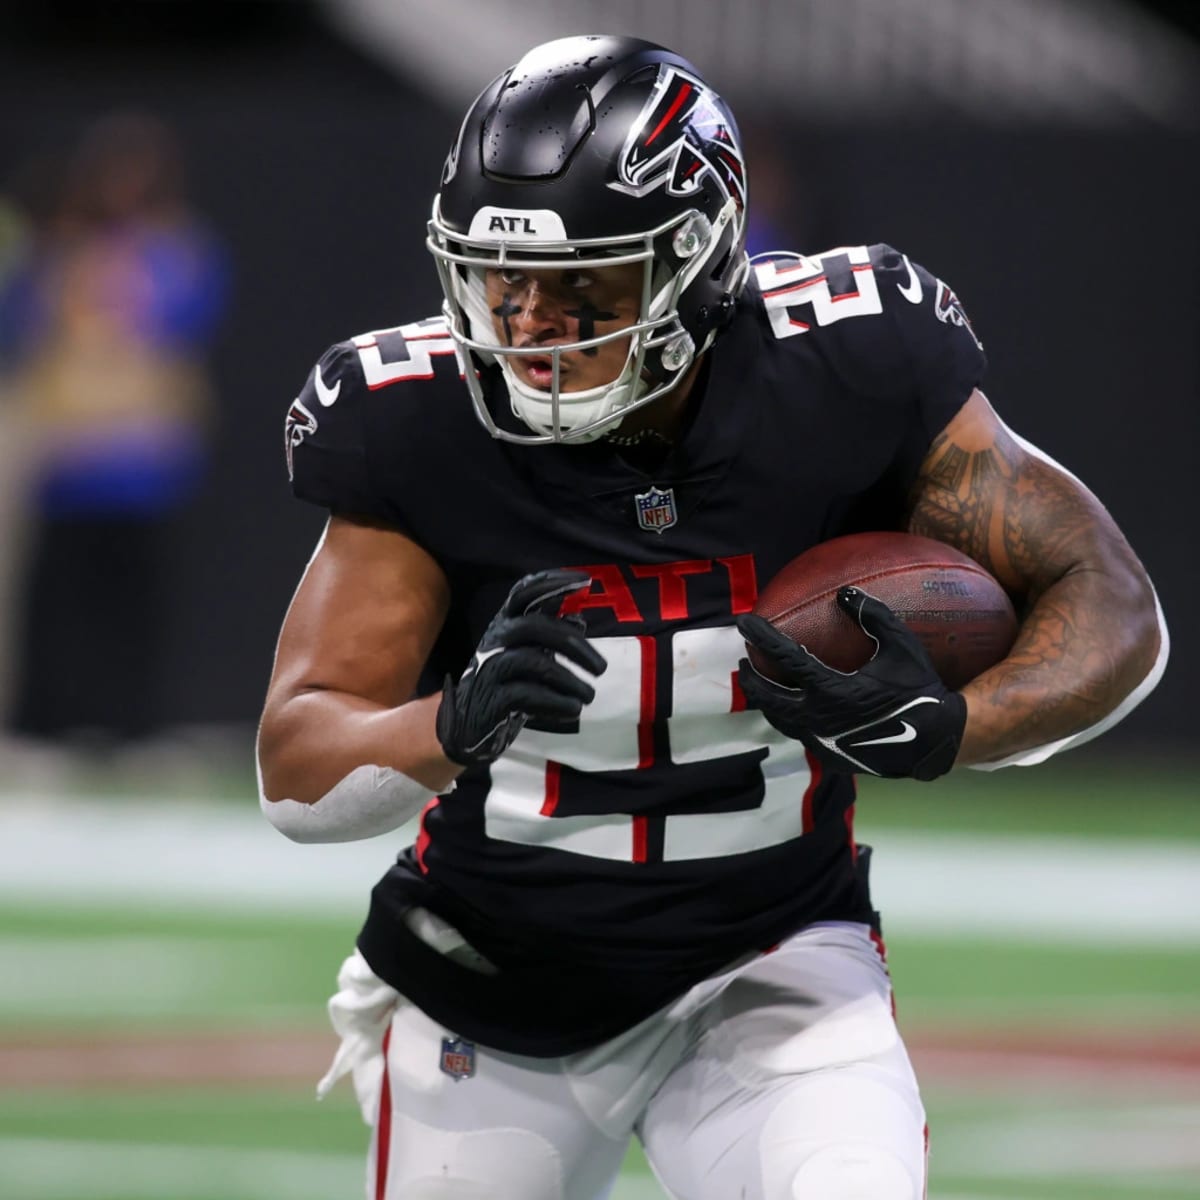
(368, 802)
(576, 409)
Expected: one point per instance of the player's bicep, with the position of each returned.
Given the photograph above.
(364, 618)
(986, 492)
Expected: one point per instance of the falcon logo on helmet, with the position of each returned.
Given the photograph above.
(680, 136)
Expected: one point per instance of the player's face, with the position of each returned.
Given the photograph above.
(539, 308)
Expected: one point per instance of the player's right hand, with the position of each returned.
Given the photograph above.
(892, 717)
(515, 676)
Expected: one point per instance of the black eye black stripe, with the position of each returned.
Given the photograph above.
(587, 315)
(505, 310)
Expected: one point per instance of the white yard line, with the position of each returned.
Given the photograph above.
(1120, 1147)
(130, 974)
(54, 1169)
(200, 856)
(1038, 889)
(57, 1169)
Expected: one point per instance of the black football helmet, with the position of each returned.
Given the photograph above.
(594, 151)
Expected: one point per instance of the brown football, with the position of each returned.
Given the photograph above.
(960, 612)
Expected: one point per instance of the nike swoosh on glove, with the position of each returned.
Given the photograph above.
(892, 717)
(516, 676)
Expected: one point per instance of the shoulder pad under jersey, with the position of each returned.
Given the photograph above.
(338, 425)
(887, 326)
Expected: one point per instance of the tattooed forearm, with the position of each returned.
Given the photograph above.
(1088, 634)
(957, 501)
(1071, 665)
(1022, 519)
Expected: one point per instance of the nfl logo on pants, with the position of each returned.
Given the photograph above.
(458, 1058)
(656, 509)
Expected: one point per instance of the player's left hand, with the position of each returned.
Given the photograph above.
(892, 717)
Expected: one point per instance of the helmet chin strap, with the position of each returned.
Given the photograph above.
(535, 408)
(659, 356)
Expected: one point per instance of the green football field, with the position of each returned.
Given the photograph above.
(162, 1028)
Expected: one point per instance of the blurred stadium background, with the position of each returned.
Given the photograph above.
(165, 956)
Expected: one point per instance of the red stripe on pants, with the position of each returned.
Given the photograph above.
(383, 1127)
(925, 1183)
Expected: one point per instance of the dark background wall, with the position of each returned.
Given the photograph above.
(1077, 255)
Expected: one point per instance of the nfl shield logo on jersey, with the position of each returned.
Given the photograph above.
(656, 509)
(458, 1058)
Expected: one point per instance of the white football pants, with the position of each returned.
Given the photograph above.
(782, 1079)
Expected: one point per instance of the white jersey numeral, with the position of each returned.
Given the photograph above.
(798, 288)
(707, 723)
(405, 352)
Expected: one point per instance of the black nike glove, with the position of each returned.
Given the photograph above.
(514, 676)
(892, 717)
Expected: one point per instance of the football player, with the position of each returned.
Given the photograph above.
(635, 905)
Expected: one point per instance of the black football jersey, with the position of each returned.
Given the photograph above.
(603, 871)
